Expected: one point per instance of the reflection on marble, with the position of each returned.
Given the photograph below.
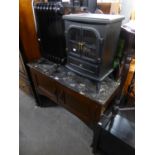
(76, 82)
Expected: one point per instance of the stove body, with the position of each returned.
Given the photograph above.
(91, 41)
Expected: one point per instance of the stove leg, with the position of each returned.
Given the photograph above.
(98, 87)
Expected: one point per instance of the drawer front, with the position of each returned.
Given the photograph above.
(45, 86)
(84, 67)
(83, 109)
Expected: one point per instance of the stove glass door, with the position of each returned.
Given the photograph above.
(74, 39)
(89, 44)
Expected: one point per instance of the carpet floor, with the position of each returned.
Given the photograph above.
(51, 131)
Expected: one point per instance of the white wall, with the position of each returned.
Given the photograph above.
(126, 7)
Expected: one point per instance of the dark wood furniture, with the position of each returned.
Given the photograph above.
(24, 82)
(28, 43)
(86, 108)
(27, 34)
(118, 130)
(75, 93)
(118, 133)
(82, 106)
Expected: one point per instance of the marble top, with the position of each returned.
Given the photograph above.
(80, 84)
(91, 17)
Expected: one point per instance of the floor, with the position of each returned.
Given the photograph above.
(51, 130)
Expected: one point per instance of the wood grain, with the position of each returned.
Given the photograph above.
(27, 33)
(105, 7)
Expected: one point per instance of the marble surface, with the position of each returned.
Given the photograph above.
(80, 84)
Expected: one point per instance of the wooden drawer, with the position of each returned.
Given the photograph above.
(44, 85)
(81, 106)
(83, 110)
(86, 109)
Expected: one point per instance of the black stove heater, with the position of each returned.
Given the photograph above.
(50, 30)
(91, 43)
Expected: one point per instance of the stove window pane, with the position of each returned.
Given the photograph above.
(89, 38)
(90, 44)
(89, 53)
(74, 34)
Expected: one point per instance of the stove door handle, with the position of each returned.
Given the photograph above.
(79, 46)
(82, 44)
